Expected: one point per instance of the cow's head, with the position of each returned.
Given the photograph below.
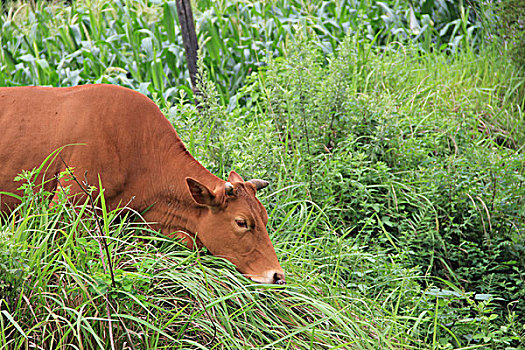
(233, 226)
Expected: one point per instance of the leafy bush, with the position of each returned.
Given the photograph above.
(12, 273)
(415, 171)
(512, 28)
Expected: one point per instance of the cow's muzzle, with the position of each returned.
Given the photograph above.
(270, 277)
(278, 278)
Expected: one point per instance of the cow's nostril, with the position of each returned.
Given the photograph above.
(278, 278)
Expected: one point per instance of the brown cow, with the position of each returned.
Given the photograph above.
(122, 136)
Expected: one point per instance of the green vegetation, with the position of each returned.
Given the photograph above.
(396, 159)
(138, 43)
(512, 25)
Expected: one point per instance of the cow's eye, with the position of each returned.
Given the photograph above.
(241, 223)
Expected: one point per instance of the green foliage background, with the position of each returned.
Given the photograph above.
(392, 133)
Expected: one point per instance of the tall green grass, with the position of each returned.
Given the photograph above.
(396, 197)
(58, 291)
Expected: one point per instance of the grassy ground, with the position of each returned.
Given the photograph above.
(396, 204)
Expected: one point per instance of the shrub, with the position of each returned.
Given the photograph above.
(405, 162)
(512, 28)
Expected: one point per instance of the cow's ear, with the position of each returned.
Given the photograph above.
(234, 177)
(200, 193)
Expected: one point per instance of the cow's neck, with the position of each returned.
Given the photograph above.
(174, 207)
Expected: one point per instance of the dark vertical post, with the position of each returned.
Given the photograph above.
(189, 38)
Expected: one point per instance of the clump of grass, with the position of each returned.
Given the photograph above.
(159, 294)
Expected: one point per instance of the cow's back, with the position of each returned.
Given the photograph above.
(98, 126)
